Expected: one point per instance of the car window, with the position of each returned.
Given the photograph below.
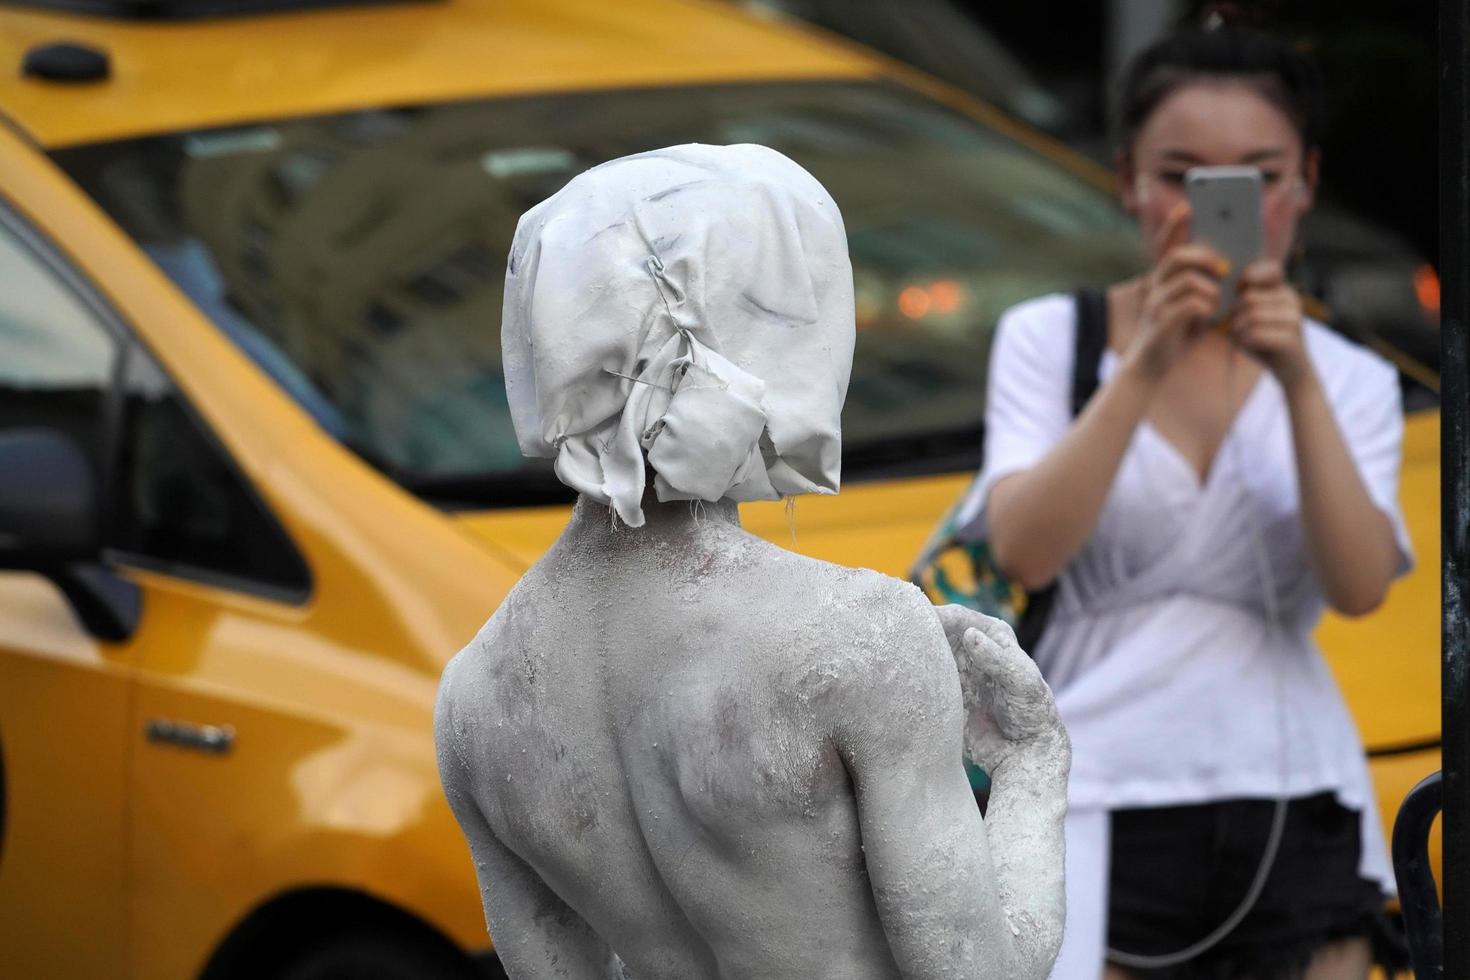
(183, 506)
(57, 358)
(176, 501)
(359, 259)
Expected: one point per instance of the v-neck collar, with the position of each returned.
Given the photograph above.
(1108, 364)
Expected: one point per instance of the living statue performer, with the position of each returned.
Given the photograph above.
(677, 751)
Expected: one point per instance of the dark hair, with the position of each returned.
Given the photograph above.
(1278, 72)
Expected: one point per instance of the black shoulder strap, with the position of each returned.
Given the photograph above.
(1092, 339)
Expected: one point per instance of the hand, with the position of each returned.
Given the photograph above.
(1268, 322)
(1178, 298)
(1008, 707)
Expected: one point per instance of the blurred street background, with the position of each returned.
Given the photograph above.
(1057, 70)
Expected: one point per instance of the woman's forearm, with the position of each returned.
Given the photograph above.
(1349, 540)
(1040, 517)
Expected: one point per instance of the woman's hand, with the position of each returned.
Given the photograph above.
(1179, 297)
(1268, 322)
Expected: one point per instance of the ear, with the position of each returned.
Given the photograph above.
(1306, 194)
(1127, 181)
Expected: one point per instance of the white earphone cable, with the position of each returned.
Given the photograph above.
(1140, 961)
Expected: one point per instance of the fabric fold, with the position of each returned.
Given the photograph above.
(691, 307)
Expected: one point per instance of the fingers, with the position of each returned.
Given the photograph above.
(1268, 304)
(1268, 325)
(1175, 230)
(1188, 314)
(1016, 695)
(1262, 274)
(1268, 309)
(1189, 283)
(956, 619)
(1187, 287)
(1263, 333)
(1177, 252)
(1001, 659)
(999, 631)
(998, 662)
(1193, 257)
(1265, 294)
(1180, 295)
(1184, 309)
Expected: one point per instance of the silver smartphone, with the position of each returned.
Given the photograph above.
(1225, 213)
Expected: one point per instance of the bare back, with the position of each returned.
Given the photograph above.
(653, 730)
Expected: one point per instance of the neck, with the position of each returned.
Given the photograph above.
(661, 521)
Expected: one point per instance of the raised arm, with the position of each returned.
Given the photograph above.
(1350, 540)
(955, 897)
(1012, 731)
(1039, 517)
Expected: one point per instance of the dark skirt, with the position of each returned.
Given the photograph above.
(1178, 872)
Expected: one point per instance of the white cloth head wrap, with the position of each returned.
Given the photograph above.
(692, 303)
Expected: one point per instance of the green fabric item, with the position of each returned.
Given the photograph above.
(990, 593)
(979, 778)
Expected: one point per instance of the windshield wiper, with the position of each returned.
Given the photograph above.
(914, 454)
(469, 491)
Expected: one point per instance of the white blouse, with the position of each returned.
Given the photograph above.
(1176, 683)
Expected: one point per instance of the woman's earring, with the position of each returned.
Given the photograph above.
(1141, 187)
(1136, 197)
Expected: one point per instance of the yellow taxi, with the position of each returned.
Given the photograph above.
(257, 475)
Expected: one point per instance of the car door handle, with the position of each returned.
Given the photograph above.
(213, 739)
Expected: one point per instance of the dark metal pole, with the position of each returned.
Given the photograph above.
(1454, 211)
(1423, 918)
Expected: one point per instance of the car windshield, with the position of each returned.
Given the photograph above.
(359, 258)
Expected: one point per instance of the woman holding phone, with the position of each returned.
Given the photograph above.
(1233, 473)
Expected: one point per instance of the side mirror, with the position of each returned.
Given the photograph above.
(48, 501)
(50, 523)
